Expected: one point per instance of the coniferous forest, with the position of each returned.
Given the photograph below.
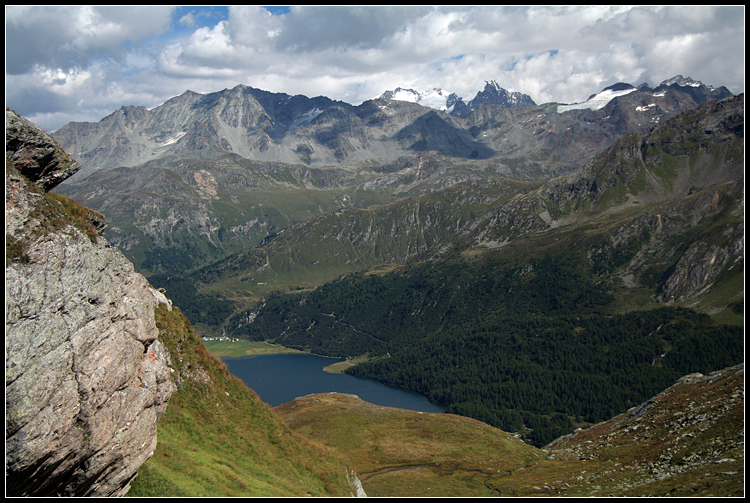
(201, 308)
(528, 349)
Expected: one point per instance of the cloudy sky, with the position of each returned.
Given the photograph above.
(80, 63)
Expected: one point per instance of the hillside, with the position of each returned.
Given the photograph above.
(218, 439)
(351, 239)
(685, 441)
(406, 453)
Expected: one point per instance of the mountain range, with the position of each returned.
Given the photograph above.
(666, 168)
(265, 126)
(189, 182)
(481, 282)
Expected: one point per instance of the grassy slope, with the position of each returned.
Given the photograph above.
(218, 439)
(400, 452)
(686, 441)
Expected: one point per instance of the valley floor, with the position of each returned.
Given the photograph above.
(219, 349)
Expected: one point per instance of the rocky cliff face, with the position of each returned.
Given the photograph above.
(35, 153)
(86, 378)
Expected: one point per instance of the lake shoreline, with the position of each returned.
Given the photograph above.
(239, 349)
(280, 378)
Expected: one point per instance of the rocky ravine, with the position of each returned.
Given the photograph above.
(86, 378)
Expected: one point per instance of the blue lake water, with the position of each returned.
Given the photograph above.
(281, 377)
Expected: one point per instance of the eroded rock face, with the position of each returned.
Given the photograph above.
(84, 384)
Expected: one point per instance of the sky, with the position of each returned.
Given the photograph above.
(81, 63)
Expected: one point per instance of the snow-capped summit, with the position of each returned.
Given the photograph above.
(434, 98)
(402, 94)
(682, 81)
(491, 94)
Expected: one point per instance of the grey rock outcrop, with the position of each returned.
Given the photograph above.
(35, 153)
(700, 265)
(84, 384)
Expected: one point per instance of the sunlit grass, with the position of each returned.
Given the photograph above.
(220, 349)
(218, 439)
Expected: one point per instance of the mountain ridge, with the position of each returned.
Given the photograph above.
(267, 126)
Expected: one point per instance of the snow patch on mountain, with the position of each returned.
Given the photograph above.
(435, 98)
(306, 117)
(683, 81)
(597, 101)
(172, 140)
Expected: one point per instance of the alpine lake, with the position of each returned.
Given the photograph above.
(279, 375)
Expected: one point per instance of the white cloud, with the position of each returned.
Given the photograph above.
(187, 20)
(209, 45)
(99, 58)
(249, 26)
(64, 37)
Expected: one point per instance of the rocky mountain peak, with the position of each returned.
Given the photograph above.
(679, 80)
(620, 86)
(493, 94)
